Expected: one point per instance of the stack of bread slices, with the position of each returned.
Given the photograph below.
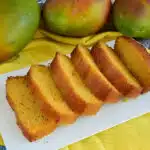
(70, 87)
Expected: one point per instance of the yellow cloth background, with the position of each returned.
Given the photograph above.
(132, 135)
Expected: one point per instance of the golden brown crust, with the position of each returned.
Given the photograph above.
(26, 132)
(92, 77)
(43, 105)
(35, 136)
(46, 108)
(112, 73)
(60, 79)
(140, 47)
(72, 98)
(142, 51)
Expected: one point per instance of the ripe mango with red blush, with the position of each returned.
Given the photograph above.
(76, 18)
(132, 17)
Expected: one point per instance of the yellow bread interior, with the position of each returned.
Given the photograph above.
(43, 79)
(81, 56)
(86, 55)
(76, 81)
(136, 58)
(118, 64)
(33, 122)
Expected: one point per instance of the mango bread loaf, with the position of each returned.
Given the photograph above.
(115, 71)
(33, 123)
(68, 81)
(136, 58)
(50, 99)
(92, 77)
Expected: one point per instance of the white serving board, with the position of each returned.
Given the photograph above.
(110, 115)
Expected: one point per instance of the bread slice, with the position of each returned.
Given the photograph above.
(115, 71)
(136, 58)
(77, 95)
(92, 77)
(33, 123)
(50, 98)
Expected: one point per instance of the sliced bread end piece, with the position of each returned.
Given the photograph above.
(31, 120)
(136, 58)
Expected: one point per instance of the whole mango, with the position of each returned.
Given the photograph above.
(19, 20)
(75, 18)
(132, 17)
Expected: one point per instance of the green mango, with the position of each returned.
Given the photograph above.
(132, 17)
(19, 20)
(75, 18)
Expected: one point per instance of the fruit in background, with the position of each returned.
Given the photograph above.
(19, 22)
(131, 17)
(76, 18)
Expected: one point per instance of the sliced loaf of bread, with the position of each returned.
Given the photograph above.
(115, 71)
(50, 98)
(136, 58)
(91, 75)
(33, 123)
(74, 91)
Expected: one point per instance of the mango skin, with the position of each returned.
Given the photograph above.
(19, 21)
(132, 17)
(76, 18)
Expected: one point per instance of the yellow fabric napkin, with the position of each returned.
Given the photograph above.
(45, 45)
(133, 135)
(1, 141)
